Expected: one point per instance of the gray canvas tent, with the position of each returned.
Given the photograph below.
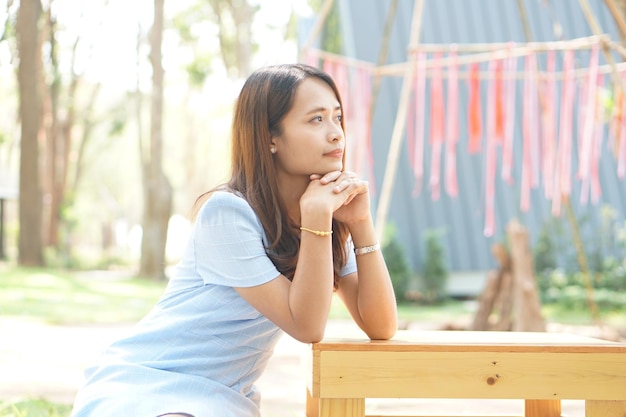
(481, 23)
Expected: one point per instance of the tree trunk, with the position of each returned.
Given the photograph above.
(243, 14)
(234, 19)
(30, 201)
(157, 189)
(526, 303)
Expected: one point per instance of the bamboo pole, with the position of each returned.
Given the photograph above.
(398, 130)
(352, 62)
(399, 69)
(618, 17)
(489, 54)
(317, 28)
(542, 75)
(595, 28)
(581, 43)
(581, 256)
(524, 17)
(382, 56)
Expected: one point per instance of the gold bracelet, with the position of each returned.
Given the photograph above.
(316, 232)
(367, 249)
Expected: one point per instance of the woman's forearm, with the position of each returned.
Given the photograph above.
(311, 290)
(376, 300)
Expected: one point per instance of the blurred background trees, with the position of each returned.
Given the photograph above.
(119, 118)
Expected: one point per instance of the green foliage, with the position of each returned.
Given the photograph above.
(397, 265)
(34, 408)
(435, 270)
(560, 280)
(545, 251)
(331, 39)
(198, 70)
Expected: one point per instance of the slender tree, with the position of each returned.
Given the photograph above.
(234, 19)
(30, 199)
(157, 188)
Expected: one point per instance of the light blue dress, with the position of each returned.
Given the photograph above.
(202, 347)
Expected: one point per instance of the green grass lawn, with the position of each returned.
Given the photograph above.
(61, 297)
(34, 408)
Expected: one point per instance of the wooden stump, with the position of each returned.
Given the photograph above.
(510, 300)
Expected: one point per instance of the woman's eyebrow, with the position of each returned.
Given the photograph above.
(322, 109)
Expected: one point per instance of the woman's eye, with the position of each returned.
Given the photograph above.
(340, 117)
(317, 119)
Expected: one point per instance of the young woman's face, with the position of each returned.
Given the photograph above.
(312, 140)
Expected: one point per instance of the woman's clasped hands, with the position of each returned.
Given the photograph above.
(347, 194)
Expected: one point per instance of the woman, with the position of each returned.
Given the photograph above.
(266, 253)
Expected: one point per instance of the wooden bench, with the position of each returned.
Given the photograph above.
(539, 368)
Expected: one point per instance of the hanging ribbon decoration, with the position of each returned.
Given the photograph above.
(562, 184)
(510, 67)
(596, 149)
(498, 129)
(338, 70)
(416, 153)
(452, 126)
(587, 118)
(360, 124)
(549, 126)
(311, 58)
(365, 84)
(620, 146)
(474, 110)
(548, 122)
(437, 127)
(490, 157)
(530, 132)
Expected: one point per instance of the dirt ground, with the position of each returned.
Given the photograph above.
(43, 361)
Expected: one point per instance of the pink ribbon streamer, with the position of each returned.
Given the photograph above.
(359, 129)
(621, 150)
(588, 115)
(549, 126)
(490, 157)
(619, 145)
(311, 58)
(475, 110)
(562, 185)
(530, 133)
(416, 138)
(596, 150)
(510, 67)
(339, 72)
(437, 127)
(452, 126)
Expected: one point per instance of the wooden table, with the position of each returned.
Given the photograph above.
(539, 368)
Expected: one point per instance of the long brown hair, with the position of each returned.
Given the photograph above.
(265, 98)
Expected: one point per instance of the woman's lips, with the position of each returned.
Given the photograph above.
(337, 153)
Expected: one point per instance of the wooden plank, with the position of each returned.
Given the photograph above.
(470, 374)
(542, 408)
(605, 408)
(438, 415)
(312, 405)
(451, 341)
(342, 407)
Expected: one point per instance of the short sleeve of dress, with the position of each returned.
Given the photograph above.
(228, 243)
(350, 266)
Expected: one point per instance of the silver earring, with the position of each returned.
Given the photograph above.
(273, 150)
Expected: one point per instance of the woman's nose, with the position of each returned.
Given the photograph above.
(336, 133)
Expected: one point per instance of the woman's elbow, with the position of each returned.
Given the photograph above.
(382, 334)
(382, 330)
(309, 335)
